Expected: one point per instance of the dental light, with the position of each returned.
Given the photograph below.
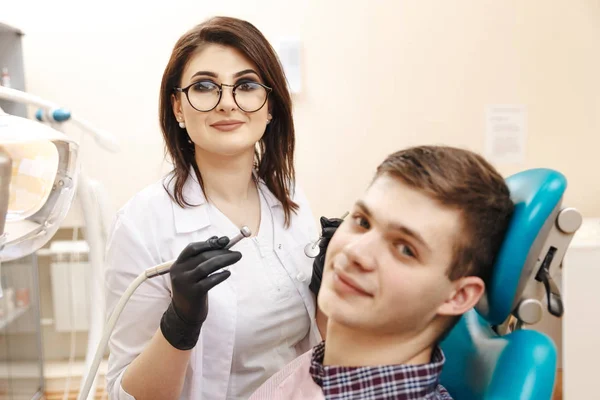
(38, 174)
(38, 177)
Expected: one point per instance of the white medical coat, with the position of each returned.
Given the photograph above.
(151, 229)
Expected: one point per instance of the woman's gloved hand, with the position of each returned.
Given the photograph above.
(328, 226)
(190, 280)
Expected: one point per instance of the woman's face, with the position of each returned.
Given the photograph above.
(228, 129)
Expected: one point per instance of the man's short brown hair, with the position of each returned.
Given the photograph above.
(463, 180)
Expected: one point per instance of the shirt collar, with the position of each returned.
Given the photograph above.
(400, 382)
(196, 217)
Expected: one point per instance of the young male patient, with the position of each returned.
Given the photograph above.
(413, 255)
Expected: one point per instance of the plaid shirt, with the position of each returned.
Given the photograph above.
(398, 382)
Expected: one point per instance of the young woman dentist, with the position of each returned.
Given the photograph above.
(226, 117)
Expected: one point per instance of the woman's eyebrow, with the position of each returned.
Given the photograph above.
(244, 72)
(208, 73)
(236, 75)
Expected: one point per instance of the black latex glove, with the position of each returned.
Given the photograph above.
(182, 321)
(328, 228)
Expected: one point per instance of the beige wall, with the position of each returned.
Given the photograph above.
(378, 76)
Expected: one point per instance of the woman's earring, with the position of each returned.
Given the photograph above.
(182, 125)
(269, 118)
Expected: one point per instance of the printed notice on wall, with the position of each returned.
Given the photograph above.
(506, 133)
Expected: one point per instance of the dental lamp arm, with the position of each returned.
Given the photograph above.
(103, 138)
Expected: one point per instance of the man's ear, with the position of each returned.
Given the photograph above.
(467, 292)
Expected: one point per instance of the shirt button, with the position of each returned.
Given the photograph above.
(301, 277)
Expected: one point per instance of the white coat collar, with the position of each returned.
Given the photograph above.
(190, 219)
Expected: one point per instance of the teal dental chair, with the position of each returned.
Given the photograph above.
(489, 354)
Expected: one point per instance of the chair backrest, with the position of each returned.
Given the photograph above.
(520, 365)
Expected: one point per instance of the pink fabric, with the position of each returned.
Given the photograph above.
(293, 382)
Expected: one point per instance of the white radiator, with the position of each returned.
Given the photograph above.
(70, 275)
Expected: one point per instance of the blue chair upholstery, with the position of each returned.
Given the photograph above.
(482, 364)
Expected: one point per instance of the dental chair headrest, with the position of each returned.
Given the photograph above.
(537, 195)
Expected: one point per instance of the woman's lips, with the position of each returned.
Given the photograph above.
(227, 126)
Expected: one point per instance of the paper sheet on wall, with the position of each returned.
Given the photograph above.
(506, 133)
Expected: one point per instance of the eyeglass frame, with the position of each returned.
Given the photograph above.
(220, 86)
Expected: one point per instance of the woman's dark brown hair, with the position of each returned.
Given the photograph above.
(274, 157)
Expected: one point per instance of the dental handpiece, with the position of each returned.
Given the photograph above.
(244, 233)
(165, 267)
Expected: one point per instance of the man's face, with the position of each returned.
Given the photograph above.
(386, 268)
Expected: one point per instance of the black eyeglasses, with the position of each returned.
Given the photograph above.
(205, 95)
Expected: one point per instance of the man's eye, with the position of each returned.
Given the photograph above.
(362, 222)
(406, 250)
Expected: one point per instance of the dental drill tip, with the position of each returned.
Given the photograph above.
(246, 231)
